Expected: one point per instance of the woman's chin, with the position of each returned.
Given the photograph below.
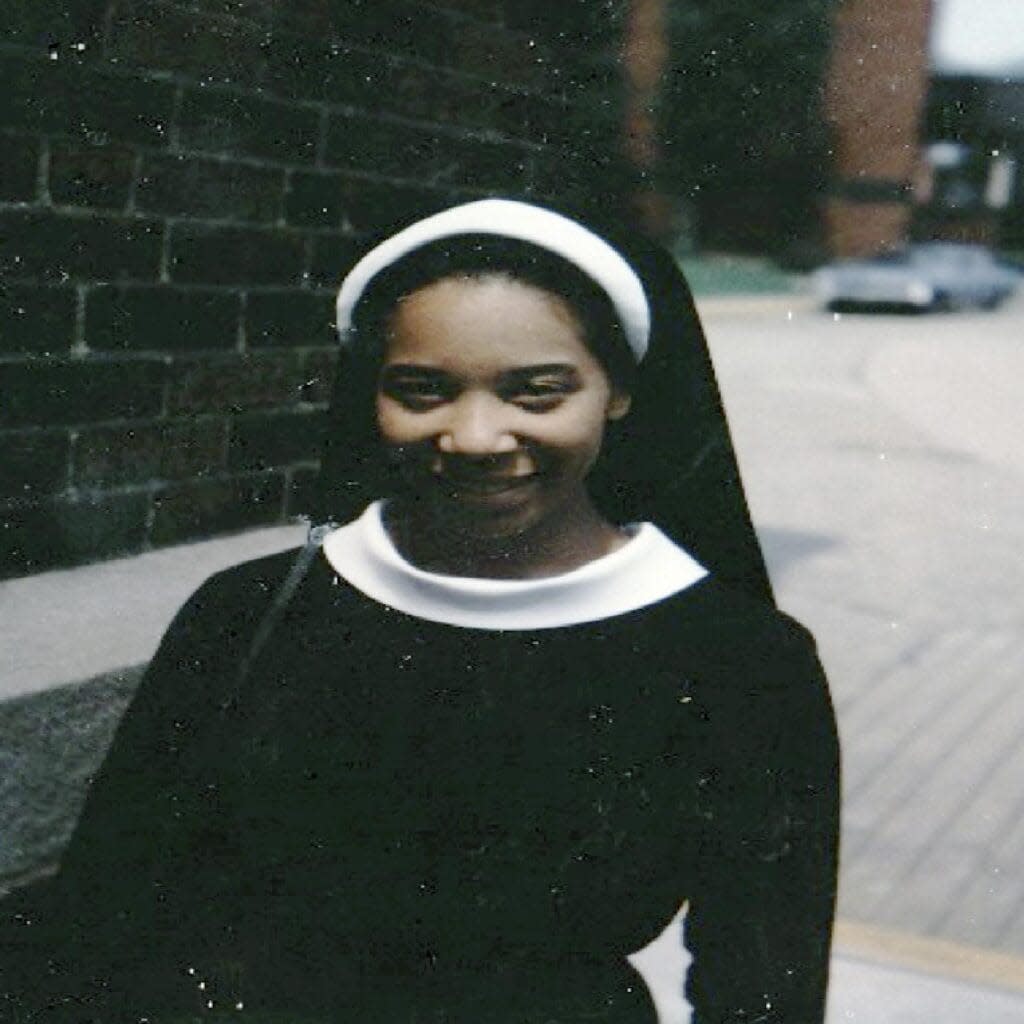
(483, 507)
(481, 516)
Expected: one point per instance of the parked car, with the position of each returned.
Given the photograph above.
(929, 275)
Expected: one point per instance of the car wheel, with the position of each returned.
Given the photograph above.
(943, 302)
(992, 301)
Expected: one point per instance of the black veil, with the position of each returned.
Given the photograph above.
(671, 462)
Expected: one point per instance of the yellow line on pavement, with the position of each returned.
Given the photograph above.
(929, 955)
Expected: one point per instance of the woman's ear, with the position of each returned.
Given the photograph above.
(619, 404)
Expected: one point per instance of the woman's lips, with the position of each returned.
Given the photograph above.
(484, 488)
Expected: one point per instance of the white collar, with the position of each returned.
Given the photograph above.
(645, 570)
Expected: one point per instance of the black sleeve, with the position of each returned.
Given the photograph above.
(760, 914)
(111, 937)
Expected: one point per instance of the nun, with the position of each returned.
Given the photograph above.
(523, 696)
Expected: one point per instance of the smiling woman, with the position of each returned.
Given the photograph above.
(529, 698)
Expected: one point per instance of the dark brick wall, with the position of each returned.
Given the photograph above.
(183, 185)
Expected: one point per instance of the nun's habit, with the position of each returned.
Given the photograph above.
(352, 791)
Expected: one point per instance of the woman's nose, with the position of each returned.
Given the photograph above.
(476, 425)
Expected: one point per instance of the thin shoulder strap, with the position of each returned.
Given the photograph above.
(281, 599)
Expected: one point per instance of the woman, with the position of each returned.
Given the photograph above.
(531, 698)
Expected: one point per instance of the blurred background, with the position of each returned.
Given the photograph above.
(185, 181)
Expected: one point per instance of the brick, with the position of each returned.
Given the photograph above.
(79, 391)
(374, 208)
(185, 511)
(265, 442)
(40, 23)
(413, 90)
(84, 175)
(498, 53)
(484, 10)
(65, 97)
(319, 371)
(58, 247)
(67, 531)
(428, 155)
(570, 182)
(295, 68)
(169, 38)
(315, 200)
(235, 384)
(34, 464)
(192, 448)
(190, 187)
(492, 166)
(301, 494)
(413, 30)
(28, 540)
(384, 148)
(253, 10)
(333, 257)
(160, 319)
(211, 254)
(450, 100)
(219, 122)
(140, 453)
(389, 26)
(37, 319)
(293, 319)
(298, 68)
(384, 25)
(19, 166)
(314, 18)
(417, 91)
(528, 116)
(357, 79)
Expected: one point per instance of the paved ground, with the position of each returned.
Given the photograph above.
(884, 459)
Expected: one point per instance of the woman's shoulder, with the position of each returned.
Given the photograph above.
(741, 643)
(724, 609)
(256, 576)
(228, 605)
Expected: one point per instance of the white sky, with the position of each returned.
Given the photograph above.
(980, 36)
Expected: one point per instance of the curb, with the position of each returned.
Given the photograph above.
(941, 958)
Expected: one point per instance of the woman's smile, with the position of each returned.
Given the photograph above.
(490, 480)
(496, 492)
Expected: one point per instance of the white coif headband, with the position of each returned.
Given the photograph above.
(513, 219)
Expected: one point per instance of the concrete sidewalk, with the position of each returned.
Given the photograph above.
(886, 977)
(864, 992)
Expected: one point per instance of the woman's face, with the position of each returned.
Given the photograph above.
(493, 403)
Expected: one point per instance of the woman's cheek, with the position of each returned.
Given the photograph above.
(398, 425)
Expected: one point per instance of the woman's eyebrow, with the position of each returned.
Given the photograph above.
(540, 369)
(411, 370)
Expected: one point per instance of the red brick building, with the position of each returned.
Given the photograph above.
(875, 95)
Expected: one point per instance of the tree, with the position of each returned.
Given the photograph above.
(744, 137)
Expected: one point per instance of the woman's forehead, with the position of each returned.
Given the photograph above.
(485, 320)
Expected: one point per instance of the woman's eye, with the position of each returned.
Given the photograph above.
(416, 394)
(542, 394)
